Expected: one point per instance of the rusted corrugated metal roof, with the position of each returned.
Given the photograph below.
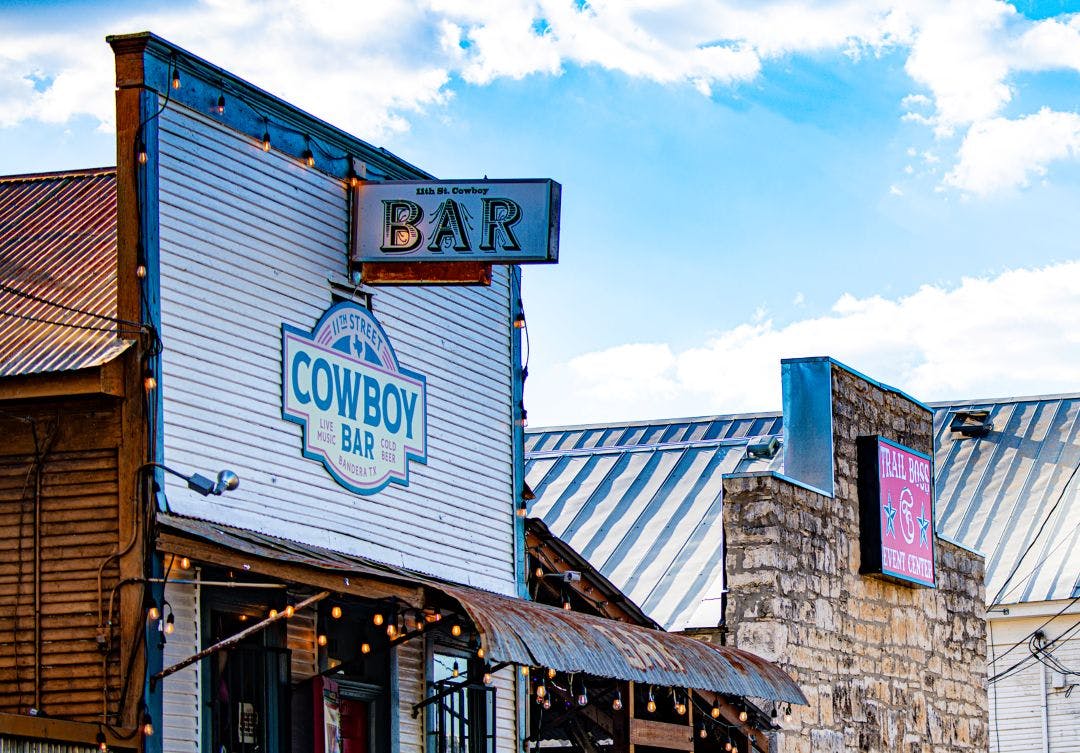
(58, 272)
(524, 632)
(538, 635)
(608, 490)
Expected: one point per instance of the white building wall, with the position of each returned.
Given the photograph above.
(248, 241)
(182, 691)
(1017, 701)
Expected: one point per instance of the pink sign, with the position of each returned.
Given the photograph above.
(905, 512)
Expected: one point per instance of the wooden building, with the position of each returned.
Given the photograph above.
(256, 502)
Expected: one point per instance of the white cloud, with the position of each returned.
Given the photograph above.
(1014, 334)
(370, 67)
(998, 154)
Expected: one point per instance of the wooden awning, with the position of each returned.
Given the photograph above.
(518, 631)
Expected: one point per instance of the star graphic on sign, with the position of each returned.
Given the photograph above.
(890, 514)
(924, 526)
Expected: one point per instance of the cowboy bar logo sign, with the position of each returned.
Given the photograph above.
(490, 221)
(897, 505)
(363, 415)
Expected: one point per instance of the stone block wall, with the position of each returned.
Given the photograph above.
(886, 667)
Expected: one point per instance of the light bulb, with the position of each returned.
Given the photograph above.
(680, 708)
(147, 725)
(616, 705)
(582, 699)
(140, 272)
(551, 673)
(290, 610)
(221, 105)
(455, 671)
(547, 703)
(365, 648)
(715, 712)
(702, 733)
(787, 713)
(487, 678)
(170, 624)
(273, 613)
(308, 157)
(524, 670)
(377, 619)
(185, 563)
(727, 745)
(522, 511)
(266, 141)
(335, 612)
(539, 573)
(480, 653)
(153, 614)
(322, 639)
(455, 631)
(391, 631)
(651, 706)
(149, 382)
(541, 691)
(175, 78)
(566, 605)
(102, 745)
(743, 715)
(142, 154)
(519, 321)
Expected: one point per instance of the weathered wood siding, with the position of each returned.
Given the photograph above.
(76, 454)
(248, 241)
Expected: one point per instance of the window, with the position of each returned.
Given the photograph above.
(248, 686)
(461, 716)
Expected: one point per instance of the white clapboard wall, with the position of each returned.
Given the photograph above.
(248, 240)
(182, 691)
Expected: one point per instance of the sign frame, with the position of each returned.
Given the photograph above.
(534, 228)
(888, 517)
(346, 319)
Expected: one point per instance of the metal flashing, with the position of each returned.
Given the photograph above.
(808, 421)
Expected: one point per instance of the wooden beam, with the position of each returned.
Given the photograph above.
(661, 734)
(426, 273)
(63, 731)
(357, 585)
(97, 380)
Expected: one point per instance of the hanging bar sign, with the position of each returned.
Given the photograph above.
(897, 511)
(489, 221)
(363, 415)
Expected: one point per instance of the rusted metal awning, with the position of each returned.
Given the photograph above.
(538, 635)
(525, 632)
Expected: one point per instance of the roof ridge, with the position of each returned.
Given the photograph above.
(87, 172)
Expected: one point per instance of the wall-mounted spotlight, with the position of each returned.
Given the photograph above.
(226, 480)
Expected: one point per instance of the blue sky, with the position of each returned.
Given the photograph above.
(892, 186)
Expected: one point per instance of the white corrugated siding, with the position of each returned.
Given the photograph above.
(505, 684)
(1016, 722)
(248, 240)
(182, 691)
(411, 673)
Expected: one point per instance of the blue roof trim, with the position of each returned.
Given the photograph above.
(781, 477)
(860, 375)
(960, 545)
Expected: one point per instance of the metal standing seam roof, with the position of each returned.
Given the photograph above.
(648, 517)
(57, 246)
(641, 501)
(525, 632)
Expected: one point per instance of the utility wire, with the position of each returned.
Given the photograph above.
(65, 307)
(1038, 533)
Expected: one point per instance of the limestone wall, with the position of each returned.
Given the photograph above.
(886, 667)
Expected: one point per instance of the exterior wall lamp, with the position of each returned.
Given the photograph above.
(226, 480)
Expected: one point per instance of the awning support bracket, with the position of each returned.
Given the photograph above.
(417, 708)
(233, 640)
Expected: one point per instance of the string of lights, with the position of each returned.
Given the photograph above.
(73, 309)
